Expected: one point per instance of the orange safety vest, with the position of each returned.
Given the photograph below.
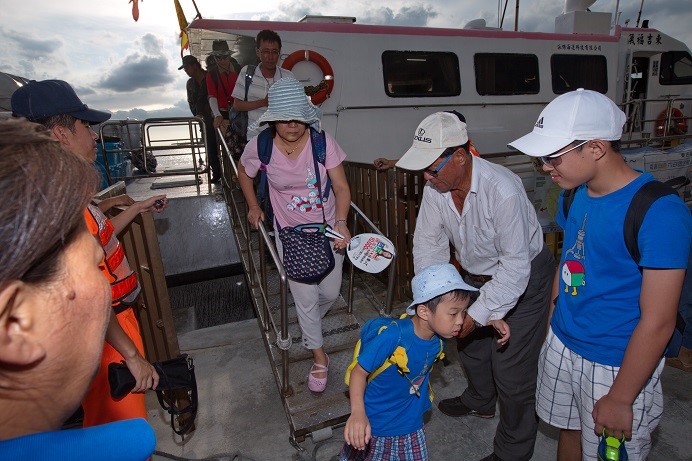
(124, 284)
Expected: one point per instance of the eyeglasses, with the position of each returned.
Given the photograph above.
(447, 154)
(552, 158)
(268, 52)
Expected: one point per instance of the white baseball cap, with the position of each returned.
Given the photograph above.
(435, 133)
(434, 281)
(577, 115)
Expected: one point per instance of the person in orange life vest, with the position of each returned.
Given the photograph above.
(54, 104)
(383, 164)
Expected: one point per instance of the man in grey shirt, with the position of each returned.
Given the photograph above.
(482, 210)
(263, 76)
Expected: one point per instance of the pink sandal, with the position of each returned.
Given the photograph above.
(318, 384)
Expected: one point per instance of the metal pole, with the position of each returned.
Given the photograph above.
(639, 15)
(516, 16)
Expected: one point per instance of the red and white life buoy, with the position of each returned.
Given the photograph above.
(328, 80)
(676, 125)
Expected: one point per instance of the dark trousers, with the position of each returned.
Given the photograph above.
(212, 148)
(508, 374)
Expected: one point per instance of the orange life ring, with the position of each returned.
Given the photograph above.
(676, 125)
(327, 83)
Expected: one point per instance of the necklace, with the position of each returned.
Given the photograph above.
(296, 144)
(290, 151)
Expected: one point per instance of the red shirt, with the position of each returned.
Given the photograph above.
(222, 88)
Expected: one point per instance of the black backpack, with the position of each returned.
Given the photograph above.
(639, 206)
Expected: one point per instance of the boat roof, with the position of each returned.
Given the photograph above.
(227, 25)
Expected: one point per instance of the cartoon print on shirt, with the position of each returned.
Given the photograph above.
(304, 204)
(415, 385)
(573, 272)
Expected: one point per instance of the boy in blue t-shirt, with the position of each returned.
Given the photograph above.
(599, 369)
(386, 421)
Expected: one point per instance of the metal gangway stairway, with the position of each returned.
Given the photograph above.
(308, 414)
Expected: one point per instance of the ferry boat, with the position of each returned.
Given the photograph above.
(500, 80)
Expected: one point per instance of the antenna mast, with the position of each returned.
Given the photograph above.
(516, 16)
(639, 15)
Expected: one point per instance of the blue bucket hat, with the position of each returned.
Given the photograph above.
(434, 281)
(39, 100)
(288, 101)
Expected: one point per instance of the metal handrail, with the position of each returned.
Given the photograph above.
(265, 242)
(196, 136)
(632, 107)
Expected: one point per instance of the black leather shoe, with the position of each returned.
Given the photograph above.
(492, 457)
(455, 407)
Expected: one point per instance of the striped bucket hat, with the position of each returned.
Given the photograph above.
(288, 101)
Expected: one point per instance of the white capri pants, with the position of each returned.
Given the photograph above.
(313, 300)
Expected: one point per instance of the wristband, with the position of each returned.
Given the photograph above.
(340, 220)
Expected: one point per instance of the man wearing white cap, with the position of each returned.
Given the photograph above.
(599, 370)
(482, 209)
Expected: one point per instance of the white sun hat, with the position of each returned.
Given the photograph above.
(577, 115)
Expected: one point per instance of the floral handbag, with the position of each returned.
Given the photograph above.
(308, 256)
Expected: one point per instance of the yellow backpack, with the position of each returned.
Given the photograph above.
(374, 327)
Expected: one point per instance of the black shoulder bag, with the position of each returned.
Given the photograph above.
(176, 392)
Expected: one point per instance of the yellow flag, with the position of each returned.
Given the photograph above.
(182, 22)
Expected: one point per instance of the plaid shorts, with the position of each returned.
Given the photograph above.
(569, 386)
(408, 447)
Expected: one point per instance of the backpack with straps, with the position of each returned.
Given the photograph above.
(634, 217)
(239, 120)
(265, 143)
(374, 327)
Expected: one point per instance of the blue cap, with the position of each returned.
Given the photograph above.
(40, 100)
(434, 281)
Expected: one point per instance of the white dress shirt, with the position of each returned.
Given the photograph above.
(496, 234)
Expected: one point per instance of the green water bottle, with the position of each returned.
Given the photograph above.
(611, 448)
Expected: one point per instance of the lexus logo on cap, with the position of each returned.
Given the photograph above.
(419, 136)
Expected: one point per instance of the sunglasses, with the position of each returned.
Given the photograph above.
(552, 158)
(447, 154)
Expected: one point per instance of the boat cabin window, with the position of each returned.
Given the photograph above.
(676, 68)
(410, 74)
(572, 71)
(506, 74)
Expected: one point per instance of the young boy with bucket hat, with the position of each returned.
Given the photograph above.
(386, 421)
(600, 367)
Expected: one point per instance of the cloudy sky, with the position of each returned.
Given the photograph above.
(131, 68)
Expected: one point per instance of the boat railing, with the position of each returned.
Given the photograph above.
(144, 141)
(256, 269)
(642, 130)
